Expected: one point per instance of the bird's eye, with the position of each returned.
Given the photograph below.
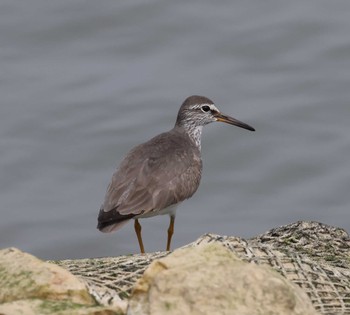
(205, 108)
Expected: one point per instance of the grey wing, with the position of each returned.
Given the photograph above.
(150, 181)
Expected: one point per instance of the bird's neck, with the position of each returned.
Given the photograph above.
(194, 132)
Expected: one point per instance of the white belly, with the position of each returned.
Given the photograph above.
(170, 210)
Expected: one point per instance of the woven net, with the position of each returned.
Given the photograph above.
(312, 255)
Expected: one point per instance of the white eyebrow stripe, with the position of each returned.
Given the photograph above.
(212, 106)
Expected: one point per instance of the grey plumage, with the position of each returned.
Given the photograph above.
(153, 176)
(161, 172)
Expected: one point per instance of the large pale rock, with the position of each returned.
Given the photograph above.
(32, 287)
(210, 279)
(24, 276)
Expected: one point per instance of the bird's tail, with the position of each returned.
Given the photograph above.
(112, 220)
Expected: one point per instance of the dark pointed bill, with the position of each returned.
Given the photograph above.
(232, 121)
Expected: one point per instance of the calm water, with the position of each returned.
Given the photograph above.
(82, 82)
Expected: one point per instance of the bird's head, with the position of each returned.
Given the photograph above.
(199, 111)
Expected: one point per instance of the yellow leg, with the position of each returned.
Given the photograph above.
(170, 232)
(138, 228)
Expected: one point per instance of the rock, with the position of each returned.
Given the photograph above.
(210, 279)
(31, 286)
(24, 276)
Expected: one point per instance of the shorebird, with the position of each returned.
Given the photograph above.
(157, 175)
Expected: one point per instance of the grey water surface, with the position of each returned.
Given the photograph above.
(82, 82)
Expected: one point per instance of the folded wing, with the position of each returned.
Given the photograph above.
(153, 176)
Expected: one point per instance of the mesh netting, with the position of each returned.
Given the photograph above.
(312, 255)
(106, 277)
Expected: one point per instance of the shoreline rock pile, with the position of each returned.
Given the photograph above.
(301, 268)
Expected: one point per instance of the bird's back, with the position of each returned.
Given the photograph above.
(154, 175)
